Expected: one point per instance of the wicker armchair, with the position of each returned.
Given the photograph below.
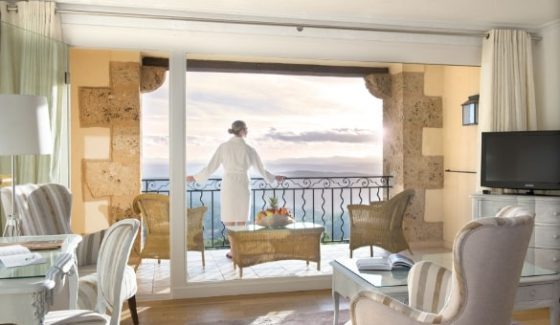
(379, 224)
(154, 209)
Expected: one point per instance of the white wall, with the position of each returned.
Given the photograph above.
(547, 77)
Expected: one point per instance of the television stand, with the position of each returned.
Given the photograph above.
(544, 248)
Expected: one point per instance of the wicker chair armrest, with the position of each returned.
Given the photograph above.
(370, 307)
(88, 250)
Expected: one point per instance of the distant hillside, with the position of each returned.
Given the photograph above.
(298, 167)
(312, 173)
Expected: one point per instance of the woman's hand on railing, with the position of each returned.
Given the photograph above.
(190, 179)
(279, 178)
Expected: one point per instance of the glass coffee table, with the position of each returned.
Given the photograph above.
(538, 287)
(253, 244)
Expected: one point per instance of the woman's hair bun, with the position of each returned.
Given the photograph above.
(237, 126)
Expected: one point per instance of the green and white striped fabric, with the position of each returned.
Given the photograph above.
(88, 249)
(368, 300)
(429, 286)
(112, 263)
(44, 209)
(87, 294)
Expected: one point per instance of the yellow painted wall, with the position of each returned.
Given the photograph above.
(457, 143)
(89, 68)
(460, 149)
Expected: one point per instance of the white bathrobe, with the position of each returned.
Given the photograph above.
(237, 157)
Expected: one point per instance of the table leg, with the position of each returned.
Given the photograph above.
(555, 308)
(336, 303)
(319, 266)
(73, 283)
(554, 315)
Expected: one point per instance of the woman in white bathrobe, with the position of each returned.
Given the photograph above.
(237, 157)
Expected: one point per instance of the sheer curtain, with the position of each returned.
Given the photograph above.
(33, 61)
(507, 90)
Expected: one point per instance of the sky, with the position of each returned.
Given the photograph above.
(296, 123)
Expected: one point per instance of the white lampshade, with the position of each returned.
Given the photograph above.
(24, 125)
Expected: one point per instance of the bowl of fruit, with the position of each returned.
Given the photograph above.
(274, 217)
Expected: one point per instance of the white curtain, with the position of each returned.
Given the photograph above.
(33, 61)
(507, 91)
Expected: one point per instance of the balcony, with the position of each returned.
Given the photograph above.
(321, 200)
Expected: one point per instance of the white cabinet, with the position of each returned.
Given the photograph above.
(544, 248)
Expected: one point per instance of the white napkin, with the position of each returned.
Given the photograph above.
(17, 255)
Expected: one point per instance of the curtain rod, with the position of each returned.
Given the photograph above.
(297, 25)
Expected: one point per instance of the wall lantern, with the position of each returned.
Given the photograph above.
(470, 111)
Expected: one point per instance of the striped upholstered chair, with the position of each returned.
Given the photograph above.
(111, 269)
(482, 250)
(45, 209)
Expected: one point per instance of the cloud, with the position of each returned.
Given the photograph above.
(155, 140)
(273, 95)
(344, 135)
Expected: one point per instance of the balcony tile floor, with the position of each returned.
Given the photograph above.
(154, 278)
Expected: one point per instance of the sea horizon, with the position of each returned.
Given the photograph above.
(352, 167)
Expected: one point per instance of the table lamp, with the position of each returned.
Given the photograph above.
(24, 130)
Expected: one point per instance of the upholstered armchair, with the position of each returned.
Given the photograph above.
(154, 210)
(488, 256)
(111, 271)
(379, 224)
(45, 209)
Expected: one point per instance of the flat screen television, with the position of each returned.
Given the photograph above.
(521, 160)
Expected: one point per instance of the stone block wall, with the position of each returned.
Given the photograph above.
(406, 112)
(117, 107)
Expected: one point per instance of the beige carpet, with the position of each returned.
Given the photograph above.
(285, 318)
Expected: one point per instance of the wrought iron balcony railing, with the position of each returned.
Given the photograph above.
(321, 200)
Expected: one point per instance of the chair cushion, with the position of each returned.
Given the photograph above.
(87, 292)
(75, 316)
(87, 269)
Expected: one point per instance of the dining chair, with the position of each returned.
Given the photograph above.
(113, 257)
(379, 224)
(488, 256)
(46, 210)
(154, 211)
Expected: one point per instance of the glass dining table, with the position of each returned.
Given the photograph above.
(23, 291)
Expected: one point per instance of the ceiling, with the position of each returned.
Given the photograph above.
(413, 31)
(519, 13)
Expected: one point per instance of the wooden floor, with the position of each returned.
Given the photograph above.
(186, 311)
